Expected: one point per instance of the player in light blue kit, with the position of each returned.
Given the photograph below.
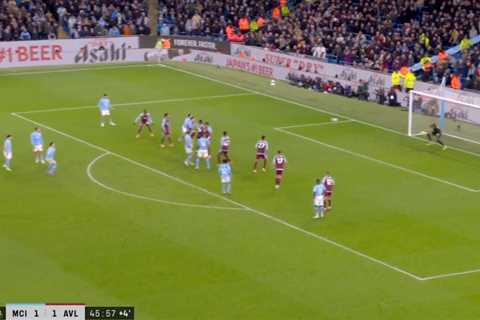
(225, 172)
(8, 152)
(188, 144)
(36, 139)
(318, 194)
(50, 158)
(105, 105)
(203, 145)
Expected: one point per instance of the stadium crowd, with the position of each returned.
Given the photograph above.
(26, 20)
(103, 18)
(381, 35)
(36, 19)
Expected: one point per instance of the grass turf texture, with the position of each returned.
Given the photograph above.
(64, 238)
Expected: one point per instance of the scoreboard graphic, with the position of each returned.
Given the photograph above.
(59, 311)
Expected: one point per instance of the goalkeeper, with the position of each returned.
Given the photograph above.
(437, 133)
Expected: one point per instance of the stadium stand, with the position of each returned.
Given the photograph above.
(26, 20)
(380, 35)
(112, 18)
(35, 19)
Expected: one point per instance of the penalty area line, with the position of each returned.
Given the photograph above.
(450, 275)
(240, 205)
(140, 197)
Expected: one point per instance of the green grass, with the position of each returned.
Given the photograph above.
(65, 238)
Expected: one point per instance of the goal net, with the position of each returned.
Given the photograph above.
(458, 118)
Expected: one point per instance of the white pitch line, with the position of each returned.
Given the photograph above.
(138, 103)
(136, 196)
(449, 275)
(305, 106)
(258, 212)
(318, 124)
(387, 164)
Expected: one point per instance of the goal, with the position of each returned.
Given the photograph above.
(458, 115)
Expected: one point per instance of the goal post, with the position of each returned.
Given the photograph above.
(459, 120)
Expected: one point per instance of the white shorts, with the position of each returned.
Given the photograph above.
(8, 155)
(188, 150)
(105, 113)
(226, 179)
(318, 201)
(203, 154)
(38, 148)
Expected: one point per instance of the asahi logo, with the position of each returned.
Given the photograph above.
(95, 53)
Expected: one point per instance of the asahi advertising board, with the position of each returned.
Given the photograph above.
(67, 52)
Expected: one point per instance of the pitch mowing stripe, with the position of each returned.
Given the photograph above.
(305, 106)
(136, 196)
(138, 103)
(31, 73)
(387, 164)
(240, 205)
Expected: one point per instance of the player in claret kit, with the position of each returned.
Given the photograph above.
(144, 119)
(36, 140)
(224, 148)
(329, 184)
(200, 128)
(166, 131)
(280, 163)
(261, 148)
(105, 110)
(208, 131)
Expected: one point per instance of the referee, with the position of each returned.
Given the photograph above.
(437, 133)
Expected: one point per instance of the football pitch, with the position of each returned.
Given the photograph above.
(125, 222)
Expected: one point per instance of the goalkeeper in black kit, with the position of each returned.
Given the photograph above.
(436, 133)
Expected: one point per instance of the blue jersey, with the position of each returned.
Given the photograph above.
(7, 146)
(50, 154)
(188, 124)
(104, 104)
(36, 138)
(203, 143)
(319, 190)
(188, 140)
(224, 170)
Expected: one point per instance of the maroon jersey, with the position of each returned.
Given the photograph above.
(145, 118)
(329, 184)
(279, 162)
(261, 148)
(201, 131)
(166, 125)
(225, 144)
